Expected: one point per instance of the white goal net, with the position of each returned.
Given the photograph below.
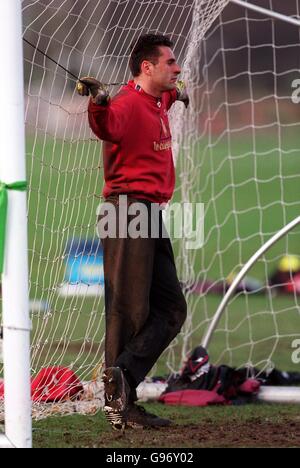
(236, 150)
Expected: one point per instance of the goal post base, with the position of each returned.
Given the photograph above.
(279, 394)
(4, 442)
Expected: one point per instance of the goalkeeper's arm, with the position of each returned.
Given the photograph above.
(107, 118)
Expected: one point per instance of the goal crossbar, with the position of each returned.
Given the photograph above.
(236, 149)
(266, 12)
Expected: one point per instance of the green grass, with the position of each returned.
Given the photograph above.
(250, 189)
(254, 425)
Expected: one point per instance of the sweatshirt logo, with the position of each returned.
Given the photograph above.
(165, 138)
(162, 146)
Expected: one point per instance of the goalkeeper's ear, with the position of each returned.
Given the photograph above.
(182, 94)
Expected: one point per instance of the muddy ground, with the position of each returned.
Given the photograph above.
(252, 434)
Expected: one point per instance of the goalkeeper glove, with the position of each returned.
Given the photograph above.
(182, 94)
(95, 88)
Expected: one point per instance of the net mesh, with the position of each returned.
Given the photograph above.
(236, 150)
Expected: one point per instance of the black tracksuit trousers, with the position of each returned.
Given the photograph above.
(144, 304)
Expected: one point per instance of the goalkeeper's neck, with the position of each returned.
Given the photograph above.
(147, 87)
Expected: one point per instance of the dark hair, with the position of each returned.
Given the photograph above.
(146, 48)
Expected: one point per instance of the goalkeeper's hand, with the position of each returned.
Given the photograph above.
(182, 94)
(90, 86)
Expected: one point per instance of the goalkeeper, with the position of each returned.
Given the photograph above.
(144, 305)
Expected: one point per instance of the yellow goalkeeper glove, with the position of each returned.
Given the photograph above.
(90, 86)
(182, 94)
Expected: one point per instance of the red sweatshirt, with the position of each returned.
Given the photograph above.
(137, 144)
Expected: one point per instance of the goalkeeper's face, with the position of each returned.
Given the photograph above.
(164, 73)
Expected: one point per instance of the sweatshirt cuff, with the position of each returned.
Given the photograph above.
(92, 107)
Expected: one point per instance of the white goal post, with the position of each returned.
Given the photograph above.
(14, 280)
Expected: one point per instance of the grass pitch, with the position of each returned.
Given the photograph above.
(250, 188)
(212, 427)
